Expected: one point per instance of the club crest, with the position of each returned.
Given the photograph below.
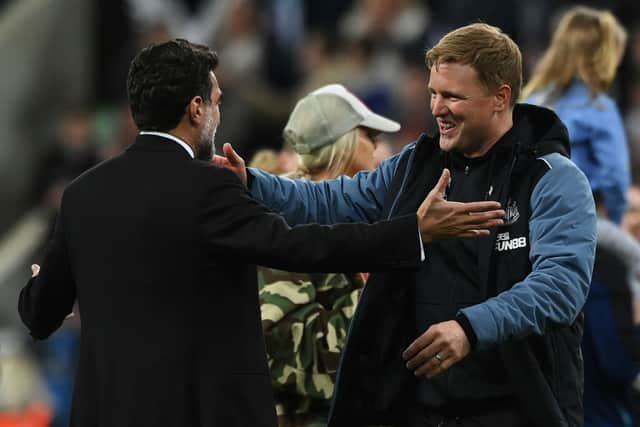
(511, 212)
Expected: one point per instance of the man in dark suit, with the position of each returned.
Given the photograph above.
(158, 249)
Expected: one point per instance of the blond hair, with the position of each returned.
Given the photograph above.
(587, 44)
(333, 159)
(488, 50)
(266, 160)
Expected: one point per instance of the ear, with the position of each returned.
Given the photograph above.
(195, 110)
(502, 98)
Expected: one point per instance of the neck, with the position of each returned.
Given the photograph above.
(504, 125)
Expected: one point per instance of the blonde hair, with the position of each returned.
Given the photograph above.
(492, 53)
(333, 159)
(266, 160)
(587, 44)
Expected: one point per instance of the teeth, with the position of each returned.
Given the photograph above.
(446, 125)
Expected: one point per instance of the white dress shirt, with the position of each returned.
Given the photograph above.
(171, 137)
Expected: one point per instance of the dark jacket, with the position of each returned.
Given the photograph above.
(545, 369)
(541, 269)
(158, 250)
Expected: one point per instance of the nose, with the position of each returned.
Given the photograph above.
(438, 105)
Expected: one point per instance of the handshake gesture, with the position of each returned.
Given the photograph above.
(438, 218)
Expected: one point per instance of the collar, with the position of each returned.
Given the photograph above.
(171, 137)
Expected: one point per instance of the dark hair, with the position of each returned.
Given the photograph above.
(163, 79)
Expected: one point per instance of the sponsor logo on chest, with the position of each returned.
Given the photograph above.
(504, 242)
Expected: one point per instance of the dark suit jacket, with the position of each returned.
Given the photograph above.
(159, 250)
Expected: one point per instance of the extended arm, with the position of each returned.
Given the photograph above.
(238, 226)
(357, 199)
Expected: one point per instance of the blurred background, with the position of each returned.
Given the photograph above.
(64, 109)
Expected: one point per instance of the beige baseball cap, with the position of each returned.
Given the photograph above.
(326, 114)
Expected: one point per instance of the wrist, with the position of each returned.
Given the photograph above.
(464, 323)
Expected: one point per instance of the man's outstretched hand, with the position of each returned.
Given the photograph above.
(439, 219)
(232, 161)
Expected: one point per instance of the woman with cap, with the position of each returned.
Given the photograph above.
(305, 317)
(573, 78)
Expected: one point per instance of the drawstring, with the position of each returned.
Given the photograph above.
(513, 156)
(489, 185)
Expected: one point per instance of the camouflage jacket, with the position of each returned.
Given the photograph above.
(305, 318)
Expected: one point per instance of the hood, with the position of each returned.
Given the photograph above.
(540, 131)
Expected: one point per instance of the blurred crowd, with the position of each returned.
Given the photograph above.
(272, 53)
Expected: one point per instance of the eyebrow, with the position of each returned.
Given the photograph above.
(447, 93)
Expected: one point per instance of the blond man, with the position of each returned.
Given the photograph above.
(487, 331)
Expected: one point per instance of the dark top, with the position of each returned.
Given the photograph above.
(159, 249)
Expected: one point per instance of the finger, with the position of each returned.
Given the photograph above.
(429, 367)
(478, 224)
(479, 216)
(443, 182)
(220, 161)
(35, 270)
(447, 362)
(480, 220)
(431, 359)
(423, 357)
(417, 345)
(474, 233)
(481, 206)
(231, 155)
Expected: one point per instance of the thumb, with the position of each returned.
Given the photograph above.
(231, 155)
(443, 182)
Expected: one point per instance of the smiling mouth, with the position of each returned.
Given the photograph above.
(446, 127)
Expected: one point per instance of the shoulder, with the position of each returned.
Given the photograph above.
(559, 168)
(562, 181)
(559, 162)
(214, 174)
(100, 174)
(579, 96)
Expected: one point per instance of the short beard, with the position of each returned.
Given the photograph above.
(206, 147)
(205, 152)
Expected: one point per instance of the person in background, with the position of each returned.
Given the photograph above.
(572, 79)
(279, 162)
(631, 219)
(266, 159)
(306, 317)
(610, 345)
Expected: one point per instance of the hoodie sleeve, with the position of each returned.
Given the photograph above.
(562, 232)
(357, 199)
